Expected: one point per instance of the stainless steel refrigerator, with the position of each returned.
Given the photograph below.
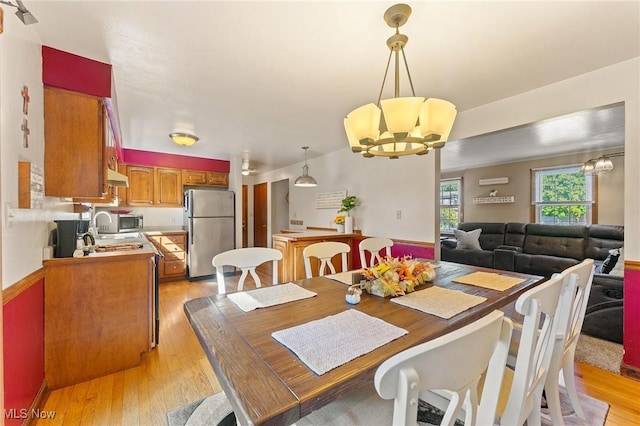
(210, 221)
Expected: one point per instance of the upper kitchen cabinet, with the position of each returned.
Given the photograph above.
(153, 186)
(74, 148)
(204, 178)
(168, 187)
(141, 181)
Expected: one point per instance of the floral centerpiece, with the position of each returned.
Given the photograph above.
(396, 276)
(339, 220)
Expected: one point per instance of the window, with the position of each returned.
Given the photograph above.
(450, 208)
(563, 196)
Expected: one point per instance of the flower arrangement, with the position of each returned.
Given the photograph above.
(348, 204)
(396, 276)
(339, 220)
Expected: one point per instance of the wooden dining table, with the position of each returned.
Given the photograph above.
(267, 384)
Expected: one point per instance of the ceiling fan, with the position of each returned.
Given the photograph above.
(246, 169)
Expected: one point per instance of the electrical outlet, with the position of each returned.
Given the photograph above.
(398, 214)
(295, 222)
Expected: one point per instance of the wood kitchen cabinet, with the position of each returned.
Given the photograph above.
(153, 186)
(168, 187)
(291, 267)
(141, 181)
(74, 144)
(173, 246)
(204, 178)
(97, 315)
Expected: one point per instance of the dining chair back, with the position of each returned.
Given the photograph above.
(247, 259)
(445, 364)
(509, 397)
(373, 247)
(546, 314)
(564, 353)
(324, 251)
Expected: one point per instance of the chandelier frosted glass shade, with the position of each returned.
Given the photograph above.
(400, 125)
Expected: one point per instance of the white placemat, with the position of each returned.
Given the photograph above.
(337, 339)
(344, 277)
(269, 296)
(439, 301)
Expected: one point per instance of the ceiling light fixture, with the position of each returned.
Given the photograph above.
(409, 125)
(602, 164)
(305, 180)
(184, 139)
(25, 16)
(246, 170)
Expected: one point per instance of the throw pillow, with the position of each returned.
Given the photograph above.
(610, 261)
(618, 270)
(468, 240)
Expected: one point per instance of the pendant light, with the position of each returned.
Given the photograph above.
(305, 180)
(400, 125)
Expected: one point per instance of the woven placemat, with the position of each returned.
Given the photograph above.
(269, 296)
(489, 280)
(439, 301)
(329, 342)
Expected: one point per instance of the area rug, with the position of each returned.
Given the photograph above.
(215, 410)
(599, 353)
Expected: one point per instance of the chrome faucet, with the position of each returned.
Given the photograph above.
(95, 221)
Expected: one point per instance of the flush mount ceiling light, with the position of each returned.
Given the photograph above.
(400, 125)
(305, 180)
(184, 139)
(599, 165)
(25, 16)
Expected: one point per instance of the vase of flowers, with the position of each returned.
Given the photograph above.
(396, 276)
(339, 221)
(348, 204)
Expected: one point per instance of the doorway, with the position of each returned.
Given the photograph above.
(279, 206)
(260, 215)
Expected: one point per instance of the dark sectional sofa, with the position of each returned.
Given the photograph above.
(546, 249)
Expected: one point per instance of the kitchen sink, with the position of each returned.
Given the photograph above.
(117, 242)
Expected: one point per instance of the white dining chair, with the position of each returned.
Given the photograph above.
(564, 354)
(513, 396)
(324, 251)
(373, 246)
(442, 363)
(247, 259)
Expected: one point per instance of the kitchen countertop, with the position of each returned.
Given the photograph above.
(154, 230)
(310, 234)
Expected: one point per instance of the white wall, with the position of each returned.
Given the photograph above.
(25, 235)
(383, 187)
(408, 184)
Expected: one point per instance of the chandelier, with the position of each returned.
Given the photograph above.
(400, 125)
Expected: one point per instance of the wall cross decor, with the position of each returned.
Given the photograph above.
(25, 100)
(25, 132)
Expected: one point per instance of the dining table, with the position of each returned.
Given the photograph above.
(268, 384)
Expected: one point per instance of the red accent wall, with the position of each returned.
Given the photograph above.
(72, 72)
(159, 159)
(398, 249)
(631, 318)
(23, 328)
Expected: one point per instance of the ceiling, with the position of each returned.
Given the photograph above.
(258, 80)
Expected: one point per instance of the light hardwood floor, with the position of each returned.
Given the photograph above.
(177, 372)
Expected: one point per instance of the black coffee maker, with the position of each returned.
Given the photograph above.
(66, 235)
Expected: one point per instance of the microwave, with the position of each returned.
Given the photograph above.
(119, 223)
